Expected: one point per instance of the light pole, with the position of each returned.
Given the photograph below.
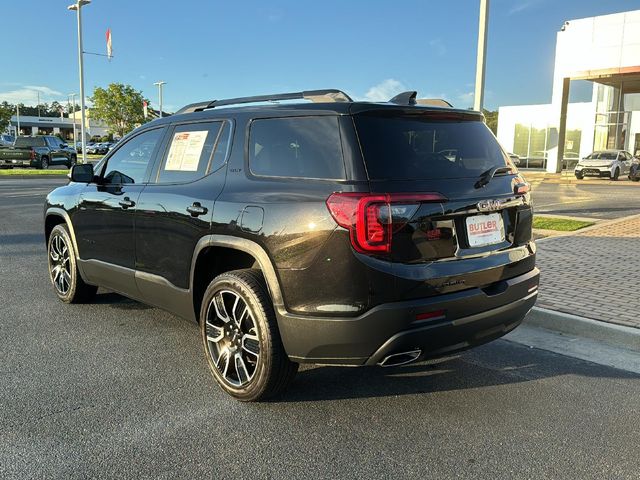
(73, 106)
(78, 8)
(18, 120)
(483, 24)
(160, 84)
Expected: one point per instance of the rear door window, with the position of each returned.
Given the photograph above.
(412, 148)
(297, 147)
(193, 151)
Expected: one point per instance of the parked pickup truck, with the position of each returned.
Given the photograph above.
(38, 152)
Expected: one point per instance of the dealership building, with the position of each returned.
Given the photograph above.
(604, 50)
(30, 125)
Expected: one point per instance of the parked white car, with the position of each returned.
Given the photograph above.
(605, 163)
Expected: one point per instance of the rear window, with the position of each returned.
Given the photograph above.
(303, 147)
(29, 142)
(410, 148)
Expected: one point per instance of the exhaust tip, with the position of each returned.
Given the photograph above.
(401, 358)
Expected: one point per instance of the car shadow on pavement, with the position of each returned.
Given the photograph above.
(498, 363)
(120, 302)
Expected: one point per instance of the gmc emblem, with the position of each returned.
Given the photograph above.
(489, 205)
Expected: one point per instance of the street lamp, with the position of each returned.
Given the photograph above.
(160, 84)
(483, 24)
(78, 8)
(73, 103)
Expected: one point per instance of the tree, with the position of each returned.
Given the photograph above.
(6, 110)
(119, 106)
(492, 120)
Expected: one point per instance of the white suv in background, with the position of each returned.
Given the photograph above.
(605, 163)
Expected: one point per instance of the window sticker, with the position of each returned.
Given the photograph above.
(186, 149)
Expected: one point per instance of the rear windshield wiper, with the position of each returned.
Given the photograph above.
(485, 177)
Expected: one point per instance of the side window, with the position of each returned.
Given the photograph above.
(129, 163)
(53, 142)
(305, 147)
(194, 150)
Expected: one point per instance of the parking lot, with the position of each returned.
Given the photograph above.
(119, 389)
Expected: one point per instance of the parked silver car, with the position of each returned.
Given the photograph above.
(605, 163)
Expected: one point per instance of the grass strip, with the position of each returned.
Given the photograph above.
(559, 224)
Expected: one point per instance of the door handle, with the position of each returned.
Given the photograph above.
(196, 209)
(126, 202)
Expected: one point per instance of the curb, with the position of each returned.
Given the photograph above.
(612, 334)
(33, 175)
(600, 224)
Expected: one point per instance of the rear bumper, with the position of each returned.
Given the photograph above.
(471, 317)
(17, 163)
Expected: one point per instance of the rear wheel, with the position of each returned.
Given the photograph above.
(44, 163)
(63, 269)
(241, 338)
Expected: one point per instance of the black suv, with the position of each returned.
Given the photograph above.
(331, 232)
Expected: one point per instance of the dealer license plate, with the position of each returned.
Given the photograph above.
(485, 229)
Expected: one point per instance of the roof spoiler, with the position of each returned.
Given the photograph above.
(317, 96)
(410, 98)
(405, 98)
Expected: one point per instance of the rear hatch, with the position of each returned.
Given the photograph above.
(21, 149)
(451, 195)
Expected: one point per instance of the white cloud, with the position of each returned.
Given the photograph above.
(384, 91)
(28, 94)
(466, 99)
(521, 6)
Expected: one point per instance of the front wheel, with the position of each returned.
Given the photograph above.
(579, 176)
(616, 174)
(63, 269)
(241, 338)
(72, 161)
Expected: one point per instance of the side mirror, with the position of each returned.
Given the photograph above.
(82, 173)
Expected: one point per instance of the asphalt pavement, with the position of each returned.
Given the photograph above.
(119, 389)
(587, 200)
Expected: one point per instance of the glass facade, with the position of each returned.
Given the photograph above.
(532, 143)
(613, 113)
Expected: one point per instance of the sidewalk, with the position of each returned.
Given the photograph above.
(593, 273)
(535, 177)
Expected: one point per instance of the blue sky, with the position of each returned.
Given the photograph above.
(206, 49)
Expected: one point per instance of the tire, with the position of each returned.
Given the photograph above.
(72, 162)
(44, 163)
(579, 176)
(615, 175)
(63, 269)
(230, 331)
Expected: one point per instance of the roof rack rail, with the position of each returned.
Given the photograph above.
(327, 95)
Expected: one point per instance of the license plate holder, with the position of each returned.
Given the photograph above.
(483, 230)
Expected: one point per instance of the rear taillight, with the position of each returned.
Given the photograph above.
(33, 154)
(521, 186)
(372, 219)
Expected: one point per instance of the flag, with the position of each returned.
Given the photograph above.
(109, 48)
(145, 108)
